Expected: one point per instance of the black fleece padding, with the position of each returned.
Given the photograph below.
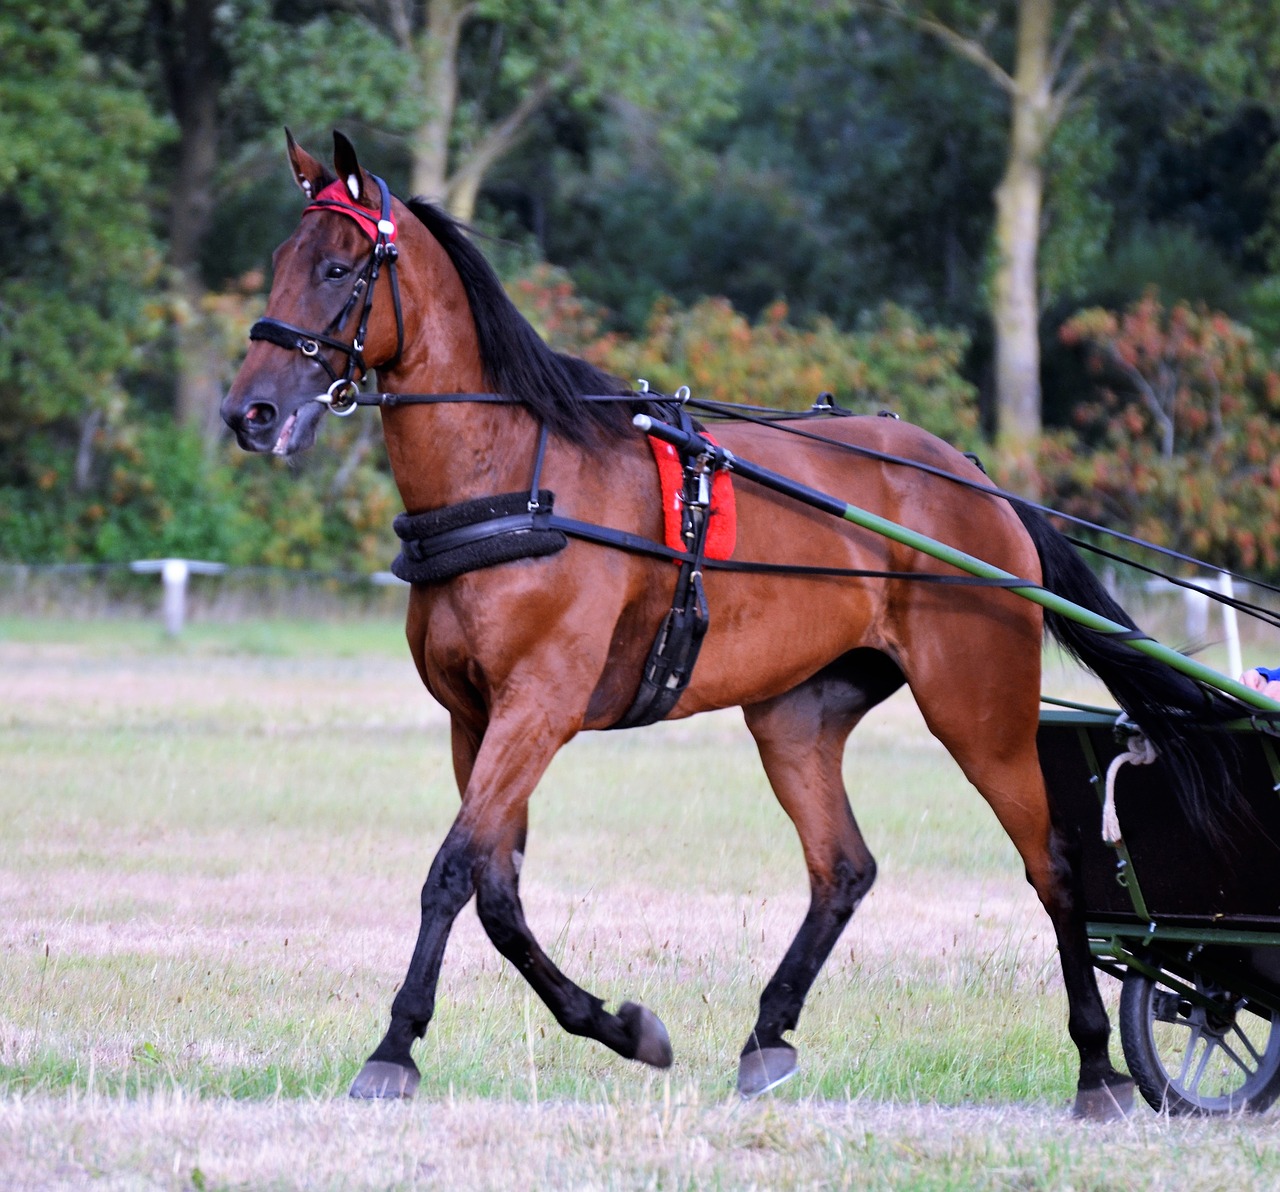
(447, 542)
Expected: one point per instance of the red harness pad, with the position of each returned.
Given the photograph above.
(722, 529)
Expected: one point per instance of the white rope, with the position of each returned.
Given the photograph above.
(1140, 752)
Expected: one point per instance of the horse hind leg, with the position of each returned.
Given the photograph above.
(991, 733)
(801, 737)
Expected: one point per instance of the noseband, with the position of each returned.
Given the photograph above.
(341, 396)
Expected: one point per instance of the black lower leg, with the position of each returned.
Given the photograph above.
(830, 908)
(633, 1033)
(1087, 1021)
(448, 888)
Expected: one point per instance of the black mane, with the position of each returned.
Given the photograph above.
(516, 360)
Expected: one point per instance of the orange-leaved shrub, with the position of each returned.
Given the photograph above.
(894, 362)
(1180, 443)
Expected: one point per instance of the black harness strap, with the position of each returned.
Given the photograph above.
(449, 542)
(507, 514)
(669, 667)
(471, 535)
(445, 543)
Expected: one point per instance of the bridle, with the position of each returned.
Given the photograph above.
(343, 390)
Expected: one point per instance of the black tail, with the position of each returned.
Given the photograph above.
(1178, 715)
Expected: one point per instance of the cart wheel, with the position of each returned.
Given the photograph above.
(1187, 1059)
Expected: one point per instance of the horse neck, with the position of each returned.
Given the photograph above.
(442, 453)
(457, 451)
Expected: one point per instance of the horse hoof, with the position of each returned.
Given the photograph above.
(653, 1044)
(381, 1081)
(1107, 1103)
(764, 1068)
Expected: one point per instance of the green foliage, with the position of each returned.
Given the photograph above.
(152, 498)
(1181, 445)
(1261, 302)
(641, 52)
(1079, 217)
(1180, 265)
(858, 170)
(76, 250)
(158, 493)
(331, 512)
(335, 69)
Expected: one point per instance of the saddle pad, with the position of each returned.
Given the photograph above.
(722, 528)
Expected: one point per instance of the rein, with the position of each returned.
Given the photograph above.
(343, 396)
(824, 407)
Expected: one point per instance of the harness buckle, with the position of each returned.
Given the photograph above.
(341, 397)
(308, 347)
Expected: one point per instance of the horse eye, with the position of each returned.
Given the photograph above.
(334, 272)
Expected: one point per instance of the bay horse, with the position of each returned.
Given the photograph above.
(526, 654)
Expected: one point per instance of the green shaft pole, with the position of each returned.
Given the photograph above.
(957, 558)
(1058, 604)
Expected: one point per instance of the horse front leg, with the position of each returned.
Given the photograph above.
(482, 855)
(390, 1071)
(635, 1032)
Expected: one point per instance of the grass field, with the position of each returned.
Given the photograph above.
(210, 857)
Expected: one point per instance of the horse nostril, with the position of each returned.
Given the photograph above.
(260, 413)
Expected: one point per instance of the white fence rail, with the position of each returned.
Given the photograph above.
(176, 573)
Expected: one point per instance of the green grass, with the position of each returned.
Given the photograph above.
(281, 637)
(210, 860)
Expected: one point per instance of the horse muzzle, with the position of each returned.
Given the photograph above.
(262, 426)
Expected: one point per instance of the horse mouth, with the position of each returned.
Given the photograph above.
(281, 446)
(298, 431)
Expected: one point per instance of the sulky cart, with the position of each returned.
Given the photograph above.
(1191, 927)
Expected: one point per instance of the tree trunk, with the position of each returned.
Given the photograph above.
(193, 92)
(1015, 307)
(437, 53)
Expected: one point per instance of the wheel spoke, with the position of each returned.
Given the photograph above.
(1193, 1039)
(1204, 1063)
(1254, 1053)
(1226, 1050)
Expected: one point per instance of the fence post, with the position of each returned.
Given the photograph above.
(174, 574)
(1231, 626)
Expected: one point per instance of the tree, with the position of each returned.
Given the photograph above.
(76, 251)
(1181, 445)
(481, 70)
(1043, 55)
(1045, 71)
(834, 189)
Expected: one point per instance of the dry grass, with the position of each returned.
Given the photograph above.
(665, 1138)
(209, 865)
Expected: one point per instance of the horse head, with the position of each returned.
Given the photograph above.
(327, 322)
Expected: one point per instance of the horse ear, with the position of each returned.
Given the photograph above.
(307, 172)
(348, 168)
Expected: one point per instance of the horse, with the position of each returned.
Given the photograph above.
(525, 653)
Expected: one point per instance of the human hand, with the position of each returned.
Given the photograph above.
(1259, 682)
